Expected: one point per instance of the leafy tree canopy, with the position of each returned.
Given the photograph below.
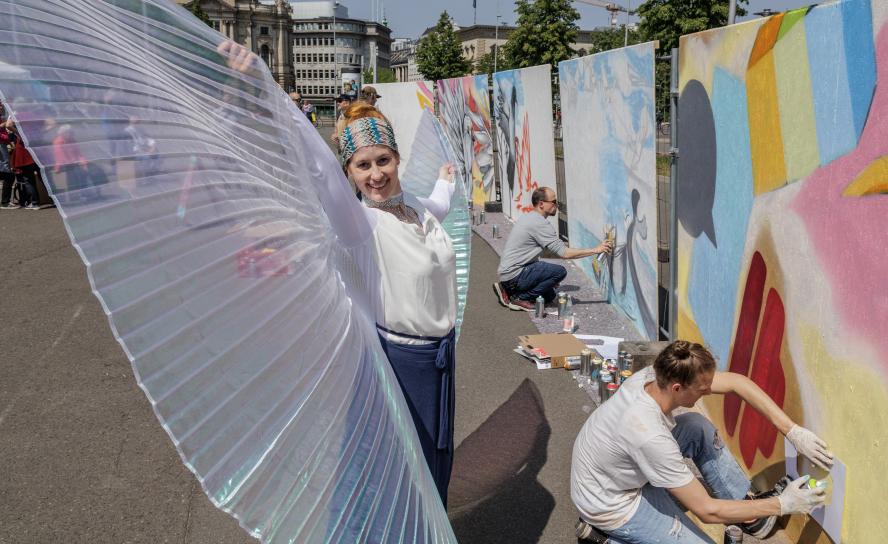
(439, 53)
(386, 75)
(544, 34)
(605, 39)
(667, 20)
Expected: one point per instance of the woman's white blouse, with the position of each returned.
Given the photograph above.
(417, 268)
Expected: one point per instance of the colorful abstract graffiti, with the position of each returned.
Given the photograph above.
(402, 104)
(464, 110)
(607, 104)
(523, 118)
(783, 233)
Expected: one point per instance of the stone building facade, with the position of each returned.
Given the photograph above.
(265, 28)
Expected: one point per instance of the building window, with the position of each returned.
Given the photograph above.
(265, 54)
(263, 31)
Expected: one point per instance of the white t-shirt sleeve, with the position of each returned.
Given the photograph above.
(661, 463)
(438, 203)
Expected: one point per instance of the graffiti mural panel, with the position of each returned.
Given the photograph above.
(783, 233)
(522, 100)
(607, 107)
(402, 104)
(464, 110)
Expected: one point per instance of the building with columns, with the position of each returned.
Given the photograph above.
(264, 27)
(403, 60)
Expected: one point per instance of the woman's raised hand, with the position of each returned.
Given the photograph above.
(240, 58)
(447, 171)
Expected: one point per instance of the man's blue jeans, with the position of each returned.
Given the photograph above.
(536, 279)
(660, 518)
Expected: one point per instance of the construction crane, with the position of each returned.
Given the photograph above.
(614, 9)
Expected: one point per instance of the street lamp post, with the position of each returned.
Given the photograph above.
(626, 30)
(496, 38)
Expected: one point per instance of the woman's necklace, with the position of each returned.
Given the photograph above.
(396, 206)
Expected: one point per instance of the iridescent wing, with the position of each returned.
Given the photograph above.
(221, 239)
(430, 149)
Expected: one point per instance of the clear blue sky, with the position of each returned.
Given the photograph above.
(409, 18)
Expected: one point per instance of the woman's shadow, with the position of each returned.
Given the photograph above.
(494, 495)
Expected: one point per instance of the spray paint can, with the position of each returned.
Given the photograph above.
(603, 380)
(620, 357)
(628, 361)
(483, 218)
(733, 535)
(611, 390)
(586, 362)
(496, 231)
(539, 309)
(562, 304)
(611, 366)
(567, 320)
(625, 375)
(597, 361)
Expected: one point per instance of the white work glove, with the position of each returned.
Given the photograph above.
(797, 498)
(812, 447)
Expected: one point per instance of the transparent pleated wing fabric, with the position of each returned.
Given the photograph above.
(232, 260)
(429, 149)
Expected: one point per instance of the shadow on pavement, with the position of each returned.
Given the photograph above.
(494, 494)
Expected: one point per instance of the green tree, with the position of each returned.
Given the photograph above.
(485, 64)
(197, 11)
(439, 54)
(605, 39)
(667, 21)
(386, 75)
(544, 34)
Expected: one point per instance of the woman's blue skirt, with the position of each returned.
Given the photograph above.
(426, 374)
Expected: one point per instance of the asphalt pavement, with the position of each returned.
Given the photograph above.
(83, 458)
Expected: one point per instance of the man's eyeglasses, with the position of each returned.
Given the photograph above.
(553, 201)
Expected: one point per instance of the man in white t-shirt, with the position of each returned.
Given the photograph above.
(628, 475)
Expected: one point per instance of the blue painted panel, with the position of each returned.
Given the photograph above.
(836, 134)
(860, 57)
(715, 272)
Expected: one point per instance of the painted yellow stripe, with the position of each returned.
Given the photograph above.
(765, 139)
(872, 181)
(796, 102)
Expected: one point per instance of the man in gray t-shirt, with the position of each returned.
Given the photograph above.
(522, 276)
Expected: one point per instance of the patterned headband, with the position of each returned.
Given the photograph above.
(363, 132)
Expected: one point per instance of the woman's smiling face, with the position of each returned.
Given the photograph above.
(374, 170)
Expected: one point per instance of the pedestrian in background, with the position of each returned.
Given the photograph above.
(6, 174)
(369, 95)
(26, 171)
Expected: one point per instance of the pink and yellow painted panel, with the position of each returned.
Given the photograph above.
(783, 235)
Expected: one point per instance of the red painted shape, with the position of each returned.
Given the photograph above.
(756, 432)
(744, 338)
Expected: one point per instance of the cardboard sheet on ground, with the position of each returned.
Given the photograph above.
(828, 516)
(606, 346)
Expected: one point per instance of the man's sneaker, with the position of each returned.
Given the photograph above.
(502, 296)
(10, 207)
(762, 527)
(525, 305)
(32, 206)
(588, 533)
